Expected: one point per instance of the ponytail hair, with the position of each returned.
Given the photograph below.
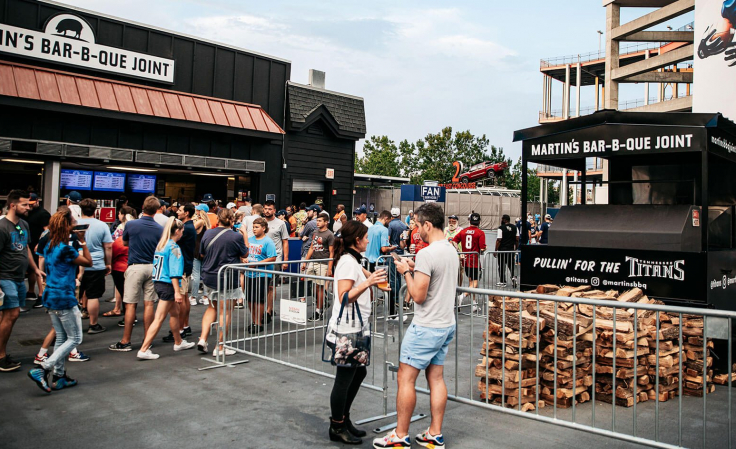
(172, 225)
(350, 233)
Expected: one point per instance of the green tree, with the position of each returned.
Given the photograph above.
(431, 158)
(380, 157)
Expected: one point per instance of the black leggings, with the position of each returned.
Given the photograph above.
(347, 384)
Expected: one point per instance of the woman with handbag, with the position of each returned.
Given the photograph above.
(352, 283)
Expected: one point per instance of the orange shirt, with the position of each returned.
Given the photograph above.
(213, 220)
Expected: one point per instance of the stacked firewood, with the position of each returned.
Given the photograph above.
(508, 371)
(722, 379)
(564, 334)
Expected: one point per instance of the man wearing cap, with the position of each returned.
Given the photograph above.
(160, 216)
(544, 229)
(209, 200)
(309, 227)
(472, 240)
(361, 215)
(507, 240)
(72, 201)
(396, 230)
(38, 221)
(452, 229)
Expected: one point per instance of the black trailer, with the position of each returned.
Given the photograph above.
(668, 226)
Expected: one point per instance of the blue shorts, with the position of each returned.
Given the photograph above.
(15, 293)
(424, 346)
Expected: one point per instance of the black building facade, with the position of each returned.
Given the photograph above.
(88, 93)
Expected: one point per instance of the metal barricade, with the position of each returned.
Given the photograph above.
(627, 370)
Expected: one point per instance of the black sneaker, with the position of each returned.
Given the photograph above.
(121, 323)
(96, 329)
(38, 304)
(31, 296)
(24, 309)
(7, 364)
(186, 332)
(168, 338)
(255, 329)
(316, 317)
(120, 347)
(269, 318)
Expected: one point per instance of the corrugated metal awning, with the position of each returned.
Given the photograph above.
(36, 83)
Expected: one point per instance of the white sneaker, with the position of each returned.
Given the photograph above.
(475, 308)
(147, 355)
(202, 346)
(227, 351)
(192, 301)
(405, 318)
(500, 284)
(460, 298)
(204, 301)
(184, 345)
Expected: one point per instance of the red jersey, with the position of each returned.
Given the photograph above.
(472, 240)
(417, 241)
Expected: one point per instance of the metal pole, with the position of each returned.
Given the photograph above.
(578, 81)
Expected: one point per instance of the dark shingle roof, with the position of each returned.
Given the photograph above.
(348, 111)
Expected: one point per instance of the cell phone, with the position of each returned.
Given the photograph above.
(396, 257)
(82, 227)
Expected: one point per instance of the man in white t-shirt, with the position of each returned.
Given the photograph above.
(361, 215)
(432, 286)
(72, 202)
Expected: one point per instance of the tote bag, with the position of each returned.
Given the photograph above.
(347, 349)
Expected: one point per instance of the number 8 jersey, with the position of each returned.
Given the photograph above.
(472, 240)
(168, 264)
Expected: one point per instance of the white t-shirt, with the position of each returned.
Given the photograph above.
(439, 261)
(248, 223)
(160, 219)
(76, 211)
(349, 268)
(368, 223)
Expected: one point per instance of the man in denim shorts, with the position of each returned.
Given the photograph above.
(431, 282)
(15, 258)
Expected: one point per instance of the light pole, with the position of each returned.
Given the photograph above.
(600, 34)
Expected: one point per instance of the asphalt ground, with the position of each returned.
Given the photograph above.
(123, 402)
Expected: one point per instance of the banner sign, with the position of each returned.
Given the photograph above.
(427, 194)
(293, 311)
(613, 139)
(69, 39)
(714, 62)
(675, 275)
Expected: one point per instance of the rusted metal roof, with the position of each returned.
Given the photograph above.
(37, 83)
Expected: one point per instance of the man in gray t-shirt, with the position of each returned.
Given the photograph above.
(431, 282)
(279, 233)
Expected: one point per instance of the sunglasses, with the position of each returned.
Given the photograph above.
(19, 229)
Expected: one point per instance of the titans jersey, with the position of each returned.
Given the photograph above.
(168, 264)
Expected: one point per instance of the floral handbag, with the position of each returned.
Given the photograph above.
(347, 346)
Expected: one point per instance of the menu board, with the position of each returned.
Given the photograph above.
(76, 179)
(142, 183)
(109, 182)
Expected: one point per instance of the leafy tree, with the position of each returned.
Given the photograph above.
(380, 157)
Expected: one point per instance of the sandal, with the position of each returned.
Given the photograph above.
(112, 313)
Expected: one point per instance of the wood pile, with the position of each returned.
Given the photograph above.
(639, 375)
(722, 379)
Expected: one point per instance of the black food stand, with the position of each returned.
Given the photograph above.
(668, 225)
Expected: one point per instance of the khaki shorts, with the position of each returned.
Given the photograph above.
(185, 281)
(139, 282)
(316, 269)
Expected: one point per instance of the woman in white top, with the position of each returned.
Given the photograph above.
(352, 278)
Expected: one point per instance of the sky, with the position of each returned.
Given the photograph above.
(419, 65)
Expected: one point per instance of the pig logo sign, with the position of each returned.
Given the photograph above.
(70, 27)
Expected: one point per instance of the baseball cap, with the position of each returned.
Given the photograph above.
(74, 196)
(474, 218)
(319, 201)
(548, 216)
(247, 199)
(453, 217)
(203, 207)
(314, 208)
(325, 214)
(360, 210)
(281, 212)
(230, 205)
(207, 198)
(164, 203)
(395, 212)
(34, 199)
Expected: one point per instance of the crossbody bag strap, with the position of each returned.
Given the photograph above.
(213, 240)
